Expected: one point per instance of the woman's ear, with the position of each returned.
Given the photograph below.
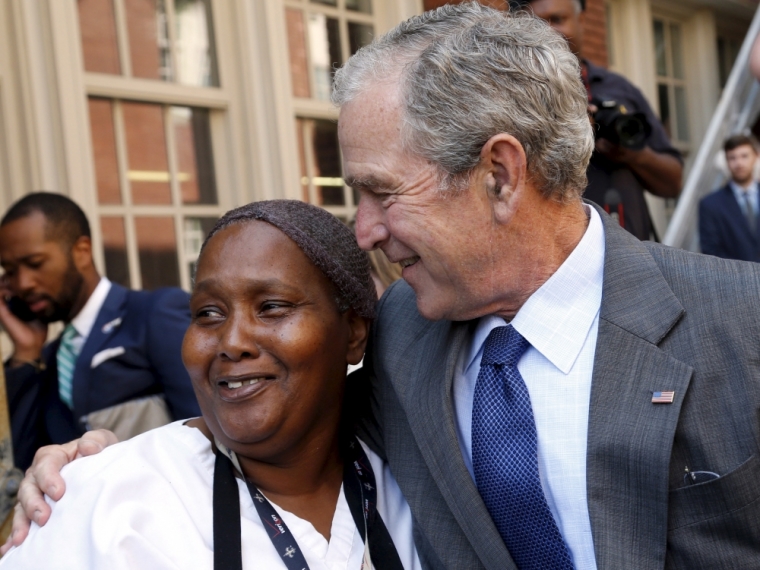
(358, 336)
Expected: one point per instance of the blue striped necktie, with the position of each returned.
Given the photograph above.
(505, 457)
(67, 359)
(749, 213)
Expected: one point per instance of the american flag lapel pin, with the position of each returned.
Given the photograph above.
(663, 397)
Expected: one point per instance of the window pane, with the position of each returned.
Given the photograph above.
(157, 250)
(659, 48)
(302, 159)
(662, 92)
(115, 249)
(192, 137)
(327, 168)
(195, 53)
(146, 151)
(148, 39)
(722, 67)
(359, 35)
(104, 150)
(324, 46)
(195, 231)
(682, 117)
(299, 72)
(727, 52)
(320, 162)
(326, 2)
(359, 6)
(675, 48)
(98, 29)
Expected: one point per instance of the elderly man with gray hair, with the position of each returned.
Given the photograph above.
(549, 391)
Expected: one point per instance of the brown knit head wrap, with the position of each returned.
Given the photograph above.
(326, 241)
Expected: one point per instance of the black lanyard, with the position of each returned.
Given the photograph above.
(361, 495)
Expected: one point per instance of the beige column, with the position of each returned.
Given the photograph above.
(396, 11)
(67, 67)
(263, 135)
(631, 31)
(31, 116)
(701, 66)
(634, 58)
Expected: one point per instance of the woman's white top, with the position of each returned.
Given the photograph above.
(146, 503)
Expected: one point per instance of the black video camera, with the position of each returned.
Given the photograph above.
(619, 126)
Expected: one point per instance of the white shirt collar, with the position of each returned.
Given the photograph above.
(85, 318)
(557, 318)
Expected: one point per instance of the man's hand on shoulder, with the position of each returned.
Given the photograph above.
(44, 478)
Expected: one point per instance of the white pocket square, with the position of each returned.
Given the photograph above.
(104, 355)
(109, 326)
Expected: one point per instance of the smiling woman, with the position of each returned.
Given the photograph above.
(281, 305)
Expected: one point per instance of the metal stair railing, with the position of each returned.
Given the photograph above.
(737, 110)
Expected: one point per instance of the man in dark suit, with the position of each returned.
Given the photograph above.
(548, 391)
(728, 218)
(118, 345)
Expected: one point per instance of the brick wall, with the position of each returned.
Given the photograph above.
(594, 31)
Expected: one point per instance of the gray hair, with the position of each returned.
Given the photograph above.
(466, 73)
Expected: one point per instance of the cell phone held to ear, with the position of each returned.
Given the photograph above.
(20, 309)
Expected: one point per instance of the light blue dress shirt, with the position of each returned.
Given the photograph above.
(561, 322)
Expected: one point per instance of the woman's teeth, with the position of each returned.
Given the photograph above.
(234, 385)
(409, 261)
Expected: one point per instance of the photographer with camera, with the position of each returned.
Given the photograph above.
(632, 151)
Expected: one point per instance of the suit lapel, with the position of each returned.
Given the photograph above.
(429, 407)
(630, 438)
(113, 308)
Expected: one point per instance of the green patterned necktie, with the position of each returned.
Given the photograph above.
(67, 359)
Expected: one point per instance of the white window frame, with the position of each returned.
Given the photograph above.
(385, 14)
(312, 108)
(123, 87)
(671, 82)
(44, 110)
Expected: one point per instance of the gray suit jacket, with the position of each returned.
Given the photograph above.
(670, 320)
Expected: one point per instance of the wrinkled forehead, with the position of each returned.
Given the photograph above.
(370, 131)
(379, 102)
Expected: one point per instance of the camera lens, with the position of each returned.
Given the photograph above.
(631, 132)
